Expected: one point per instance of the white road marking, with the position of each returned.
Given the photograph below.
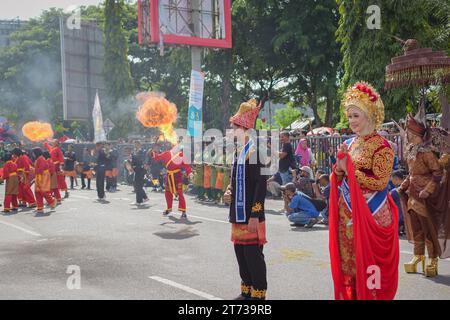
(185, 288)
(410, 253)
(21, 229)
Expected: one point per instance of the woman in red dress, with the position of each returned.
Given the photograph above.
(364, 245)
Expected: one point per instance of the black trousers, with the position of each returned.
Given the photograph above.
(83, 183)
(100, 181)
(72, 180)
(252, 268)
(139, 186)
(109, 183)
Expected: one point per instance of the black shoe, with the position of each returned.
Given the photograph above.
(166, 212)
(311, 223)
(183, 216)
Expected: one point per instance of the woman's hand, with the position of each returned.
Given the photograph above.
(341, 164)
(227, 197)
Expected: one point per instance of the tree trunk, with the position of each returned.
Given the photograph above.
(329, 110)
(313, 98)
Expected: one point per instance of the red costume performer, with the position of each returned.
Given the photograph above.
(12, 184)
(58, 160)
(42, 181)
(363, 218)
(174, 179)
(25, 177)
(54, 191)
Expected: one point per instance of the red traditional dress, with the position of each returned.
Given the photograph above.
(364, 245)
(42, 183)
(58, 161)
(174, 163)
(12, 185)
(54, 191)
(25, 177)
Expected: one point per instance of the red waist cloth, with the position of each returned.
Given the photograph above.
(376, 247)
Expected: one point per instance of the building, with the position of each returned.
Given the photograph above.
(6, 28)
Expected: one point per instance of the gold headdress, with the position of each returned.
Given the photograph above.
(363, 96)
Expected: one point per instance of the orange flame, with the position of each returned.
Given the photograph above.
(37, 131)
(158, 112)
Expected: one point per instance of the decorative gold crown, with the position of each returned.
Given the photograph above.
(365, 97)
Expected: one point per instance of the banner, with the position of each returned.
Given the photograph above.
(99, 131)
(195, 118)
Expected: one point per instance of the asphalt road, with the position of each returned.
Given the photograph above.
(123, 252)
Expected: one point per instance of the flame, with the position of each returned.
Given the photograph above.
(37, 131)
(158, 112)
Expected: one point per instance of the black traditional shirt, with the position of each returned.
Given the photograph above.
(255, 189)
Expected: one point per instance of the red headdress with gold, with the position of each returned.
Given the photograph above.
(247, 114)
(365, 97)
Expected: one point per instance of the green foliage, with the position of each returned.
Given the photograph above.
(367, 52)
(284, 117)
(30, 71)
(116, 69)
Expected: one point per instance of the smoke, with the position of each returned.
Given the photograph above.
(36, 88)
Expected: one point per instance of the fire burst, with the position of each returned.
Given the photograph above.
(158, 112)
(37, 131)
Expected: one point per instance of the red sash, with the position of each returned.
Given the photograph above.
(374, 245)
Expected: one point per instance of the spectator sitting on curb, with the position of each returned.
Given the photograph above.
(303, 180)
(299, 208)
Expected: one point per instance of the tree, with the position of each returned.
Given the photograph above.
(285, 117)
(119, 83)
(305, 39)
(30, 71)
(366, 52)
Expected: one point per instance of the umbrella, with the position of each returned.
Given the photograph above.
(320, 131)
(418, 66)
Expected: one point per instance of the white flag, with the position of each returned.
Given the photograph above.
(99, 132)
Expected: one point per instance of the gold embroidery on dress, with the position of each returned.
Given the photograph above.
(245, 289)
(257, 207)
(259, 294)
(372, 155)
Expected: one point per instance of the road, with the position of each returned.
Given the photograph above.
(123, 252)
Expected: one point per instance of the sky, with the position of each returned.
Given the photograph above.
(25, 9)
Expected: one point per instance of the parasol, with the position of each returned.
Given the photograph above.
(320, 131)
(417, 66)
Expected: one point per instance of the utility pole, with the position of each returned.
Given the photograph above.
(196, 52)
